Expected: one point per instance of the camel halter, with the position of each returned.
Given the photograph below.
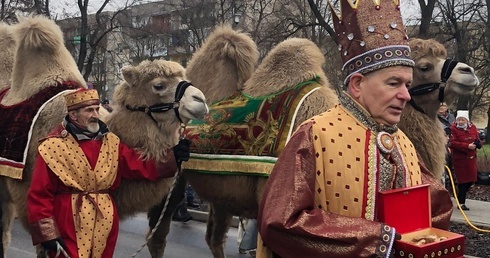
(447, 69)
(164, 107)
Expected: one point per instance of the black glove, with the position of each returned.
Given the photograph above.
(398, 236)
(477, 144)
(51, 244)
(182, 150)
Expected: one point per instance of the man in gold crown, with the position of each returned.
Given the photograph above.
(79, 164)
(321, 197)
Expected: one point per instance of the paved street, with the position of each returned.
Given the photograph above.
(185, 240)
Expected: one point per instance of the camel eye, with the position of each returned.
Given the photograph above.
(158, 87)
(425, 67)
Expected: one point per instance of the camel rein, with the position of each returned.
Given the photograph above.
(164, 107)
(167, 200)
(423, 89)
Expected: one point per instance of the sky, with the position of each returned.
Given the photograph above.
(409, 8)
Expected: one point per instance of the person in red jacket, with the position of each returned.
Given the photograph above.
(463, 142)
(79, 164)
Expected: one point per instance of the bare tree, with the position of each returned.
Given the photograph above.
(9, 8)
(427, 9)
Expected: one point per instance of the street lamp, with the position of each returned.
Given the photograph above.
(237, 13)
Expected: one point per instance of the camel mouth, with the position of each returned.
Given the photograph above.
(195, 114)
(465, 87)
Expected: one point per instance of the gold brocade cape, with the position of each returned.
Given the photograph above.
(244, 134)
(92, 206)
(351, 169)
(351, 163)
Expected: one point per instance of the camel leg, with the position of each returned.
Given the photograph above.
(157, 243)
(7, 219)
(218, 224)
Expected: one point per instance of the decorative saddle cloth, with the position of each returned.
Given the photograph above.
(16, 128)
(244, 134)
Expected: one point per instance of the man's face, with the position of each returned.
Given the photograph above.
(87, 117)
(383, 93)
(442, 109)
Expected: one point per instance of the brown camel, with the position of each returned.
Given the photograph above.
(39, 40)
(419, 120)
(224, 66)
(36, 40)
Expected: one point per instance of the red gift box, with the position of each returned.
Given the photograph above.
(408, 211)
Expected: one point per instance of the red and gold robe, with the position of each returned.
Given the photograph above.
(70, 194)
(320, 200)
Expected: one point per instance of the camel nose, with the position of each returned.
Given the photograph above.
(464, 68)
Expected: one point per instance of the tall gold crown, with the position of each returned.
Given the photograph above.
(370, 35)
(81, 98)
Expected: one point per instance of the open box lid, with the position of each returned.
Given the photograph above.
(405, 209)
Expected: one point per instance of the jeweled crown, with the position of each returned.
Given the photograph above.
(370, 35)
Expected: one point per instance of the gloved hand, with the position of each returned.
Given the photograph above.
(477, 143)
(51, 244)
(398, 236)
(182, 150)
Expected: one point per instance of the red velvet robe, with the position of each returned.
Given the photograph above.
(293, 226)
(47, 196)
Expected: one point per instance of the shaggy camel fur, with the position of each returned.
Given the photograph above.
(38, 40)
(6, 55)
(147, 84)
(289, 63)
(424, 129)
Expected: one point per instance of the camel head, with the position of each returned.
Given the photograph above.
(290, 62)
(158, 89)
(223, 63)
(431, 68)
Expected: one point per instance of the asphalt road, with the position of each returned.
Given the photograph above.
(185, 240)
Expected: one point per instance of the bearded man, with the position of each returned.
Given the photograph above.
(79, 164)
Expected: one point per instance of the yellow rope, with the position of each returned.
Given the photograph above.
(459, 205)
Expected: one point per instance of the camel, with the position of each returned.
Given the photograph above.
(419, 119)
(6, 63)
(34, 41)
(39, 40)
(225, 65)
(150, 134)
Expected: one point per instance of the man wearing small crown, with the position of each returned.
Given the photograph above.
(80, 163)
(321, 197)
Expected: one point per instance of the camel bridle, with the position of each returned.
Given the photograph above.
(164, 107)
(423, 89)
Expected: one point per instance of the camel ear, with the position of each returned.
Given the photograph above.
(130, 74)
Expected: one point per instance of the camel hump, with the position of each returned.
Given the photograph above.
(290, 62)
(39, 33)
(226, 60)
(7, 54)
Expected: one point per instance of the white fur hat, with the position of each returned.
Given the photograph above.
(463, 113)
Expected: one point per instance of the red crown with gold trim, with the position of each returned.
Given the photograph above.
(81, 98)
(370, 35)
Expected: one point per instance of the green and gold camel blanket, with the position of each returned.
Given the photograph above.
(245, 134)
